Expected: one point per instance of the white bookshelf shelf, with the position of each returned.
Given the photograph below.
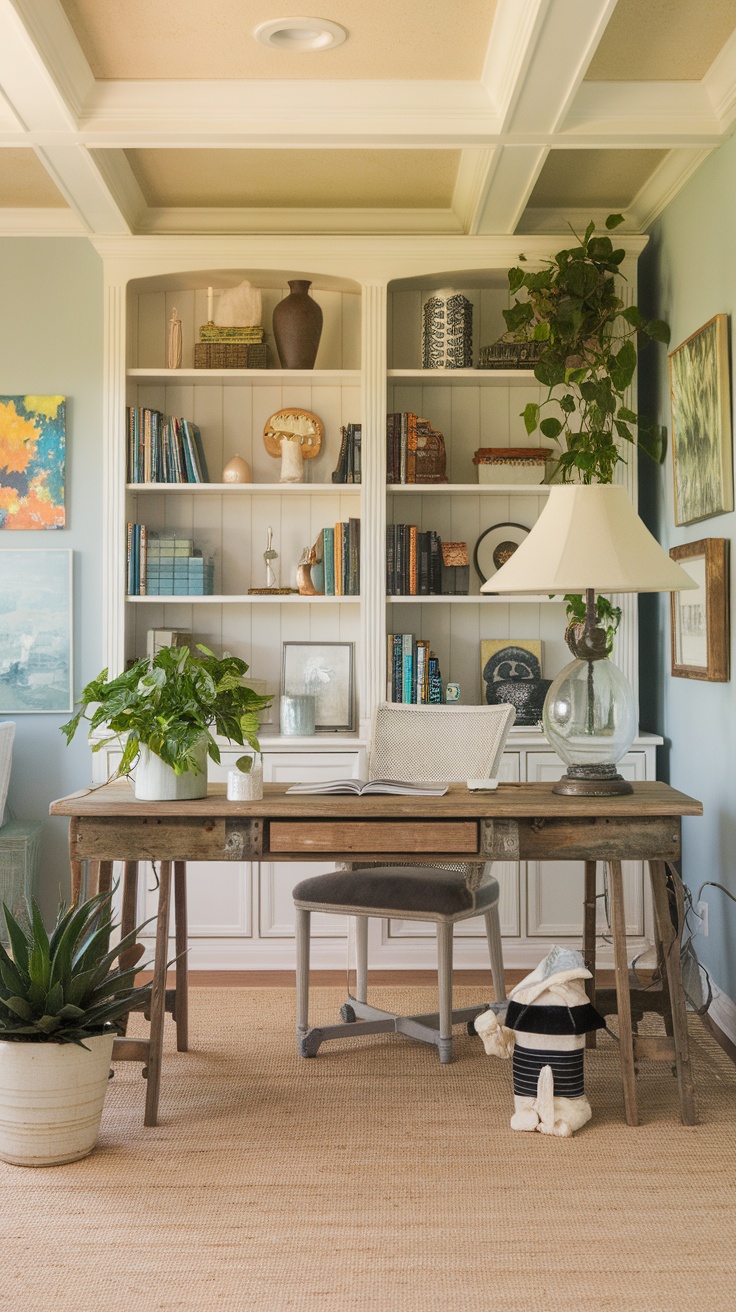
(253, 377)
(469, 489)
(473, 600)
(250, 489)
(469, 377)
(244, 599)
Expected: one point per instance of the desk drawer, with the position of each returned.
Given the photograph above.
(399, 838)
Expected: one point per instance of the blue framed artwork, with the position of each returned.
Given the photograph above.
(32, 458)
(35, 632)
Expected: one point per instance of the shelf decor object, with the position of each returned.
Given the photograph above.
(701, 423)
(495, 546)
(237, 470)
(297, 326)
(295, 436)
(511, 464)
(323, 671)
(589, 539)
(700, 620)
(173, 341)
(510, 355)
(447, 331)
(512, 672)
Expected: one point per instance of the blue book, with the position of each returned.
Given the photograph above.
(407, 667)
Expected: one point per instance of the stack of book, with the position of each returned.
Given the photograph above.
(412, 670)
(348, 468)
(337, 551)
(159, 565)
(413, 561)
(164, 449)
(230, 348)
(415, 451)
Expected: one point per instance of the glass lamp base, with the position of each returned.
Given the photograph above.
(592, 781)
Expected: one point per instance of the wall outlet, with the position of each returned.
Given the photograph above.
(701, 911)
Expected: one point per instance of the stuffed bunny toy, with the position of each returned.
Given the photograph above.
(547, 1018)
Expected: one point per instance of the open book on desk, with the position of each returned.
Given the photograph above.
(360, 786)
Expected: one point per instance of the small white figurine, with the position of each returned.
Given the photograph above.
(547, 1018)
(269, 555)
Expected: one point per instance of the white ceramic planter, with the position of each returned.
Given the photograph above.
(156, 782)
(51, 1098)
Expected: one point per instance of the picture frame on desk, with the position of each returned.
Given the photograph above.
(324, 670)
(700, 620)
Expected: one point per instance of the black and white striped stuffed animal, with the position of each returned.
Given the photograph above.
(547, 1018)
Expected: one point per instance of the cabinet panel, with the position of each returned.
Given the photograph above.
(555, 888)
(219, 899)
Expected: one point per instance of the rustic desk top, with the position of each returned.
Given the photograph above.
(514, 801)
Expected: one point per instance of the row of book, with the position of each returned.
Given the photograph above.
(419, 563)
(349, 461)
(415, 451)
(163, 448)
(336, 568)
(159, 565)
(412, 670)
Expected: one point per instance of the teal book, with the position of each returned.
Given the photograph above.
(329, 561)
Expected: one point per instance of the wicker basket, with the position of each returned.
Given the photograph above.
(511, 464)
(230, 355)
(510, 355)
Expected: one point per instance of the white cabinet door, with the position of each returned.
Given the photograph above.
(277, 878)
(555, 888)
(507, 874)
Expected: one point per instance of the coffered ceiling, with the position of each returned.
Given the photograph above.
(478, 116)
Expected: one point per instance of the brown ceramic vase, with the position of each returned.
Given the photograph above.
(297, 327)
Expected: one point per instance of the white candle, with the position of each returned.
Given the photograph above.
(209, 305)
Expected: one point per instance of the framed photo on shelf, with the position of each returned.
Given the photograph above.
(323, 670)
(36, 632)
(701, 423)
(700, 620)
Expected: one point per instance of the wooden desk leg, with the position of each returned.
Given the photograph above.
(670, 938)
(589, 941)
(127, 920)
(104, 876)
(158, 996)
(77, 867)
(181, 1009)
(621, 966)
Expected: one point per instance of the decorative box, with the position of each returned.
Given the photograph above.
(230, 355)
(455, 569)
(510, 355)
(512, 464)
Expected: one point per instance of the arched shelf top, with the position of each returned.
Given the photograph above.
(222, 278)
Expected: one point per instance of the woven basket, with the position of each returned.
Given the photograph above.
(230, 355)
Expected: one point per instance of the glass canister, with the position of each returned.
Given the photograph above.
(297, 715)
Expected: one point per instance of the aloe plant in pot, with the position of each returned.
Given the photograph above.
(61, 995)
(165, 711)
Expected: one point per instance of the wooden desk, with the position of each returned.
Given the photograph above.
(518, 822)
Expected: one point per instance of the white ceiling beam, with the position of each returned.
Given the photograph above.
(471, 185)
(720, 84)
(644, 113)
(507, 191)
(182, 220)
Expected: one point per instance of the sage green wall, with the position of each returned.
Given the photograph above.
(51, 343)
(688, 274)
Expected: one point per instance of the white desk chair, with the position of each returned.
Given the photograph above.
(438, 744)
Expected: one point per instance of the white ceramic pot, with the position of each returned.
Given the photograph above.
(51, 1097)
(156, 782)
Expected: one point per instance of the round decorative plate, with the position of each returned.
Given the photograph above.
(290, 423)
(495, 546)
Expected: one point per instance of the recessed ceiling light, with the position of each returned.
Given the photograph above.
(300, 34)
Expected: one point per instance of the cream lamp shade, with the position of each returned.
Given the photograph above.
(589, 536)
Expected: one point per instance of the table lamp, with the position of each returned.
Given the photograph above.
(589, 539)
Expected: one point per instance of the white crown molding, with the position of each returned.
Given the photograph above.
(670, 177)
(287, 113)
(515, 30)
(471, 185)
(40, 223)
(79, 180)
(508, 188)
(720, 84)
(182, 220)
(641, 114)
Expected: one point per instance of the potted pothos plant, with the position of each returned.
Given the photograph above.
(587, 357)
(165, 712)
(587, 339)
(62, 998)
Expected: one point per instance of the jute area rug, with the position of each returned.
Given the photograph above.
(372, 1179)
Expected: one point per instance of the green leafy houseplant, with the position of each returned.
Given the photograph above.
(64, 987)
(171, 705)
(588, 355)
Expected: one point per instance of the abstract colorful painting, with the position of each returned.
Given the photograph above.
(35, 631)
(32, 454)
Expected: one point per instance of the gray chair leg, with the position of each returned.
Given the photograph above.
(444, 986)
(493, 934)
(302, 971)
(361, 951)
